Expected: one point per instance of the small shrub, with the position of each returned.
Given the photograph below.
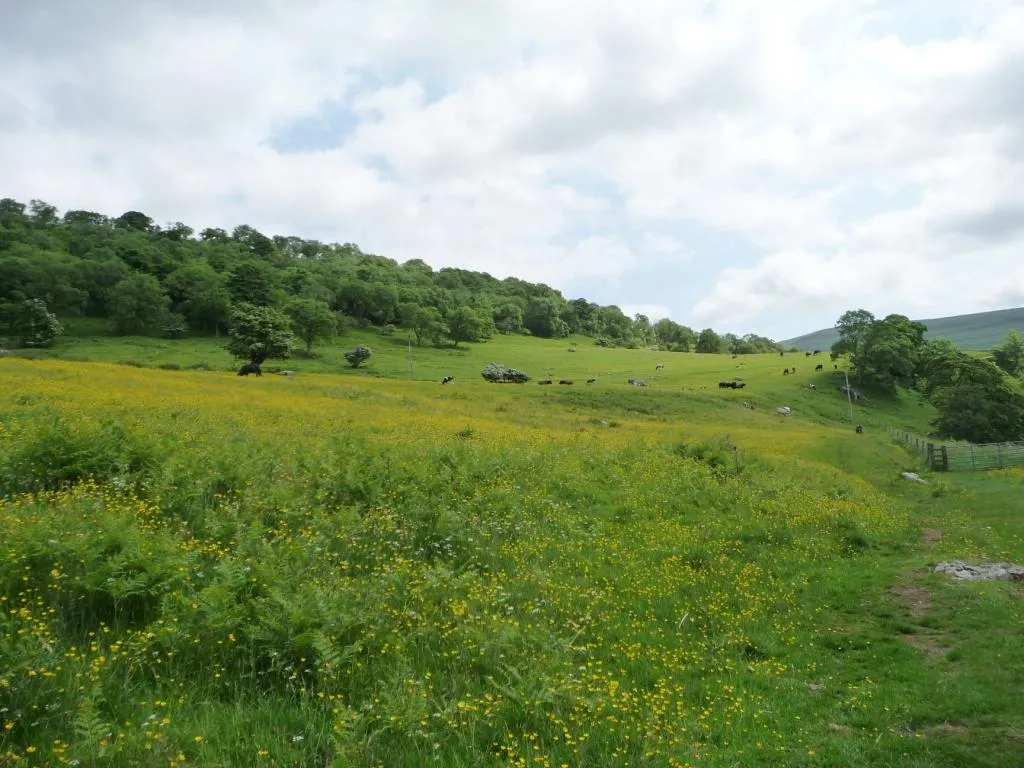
(388, 330)
(169, 366)
(718, 454)
(58, 455)
(358, 356)
(132, 363)
(602, 342)
(200, 366)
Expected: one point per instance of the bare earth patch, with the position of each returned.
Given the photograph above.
(916, 599)
(930, 644)
(929, 536)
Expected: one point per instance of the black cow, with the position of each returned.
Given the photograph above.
(819, 367)
(817, 351)
(248, 368)
(835, 367)
(566, 382)
(546, 381)
(447, 379)
(807, 354)
(781, 354)
(785, 372)
(591, 381)
(725, 385)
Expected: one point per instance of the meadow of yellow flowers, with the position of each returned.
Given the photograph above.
(201, 569)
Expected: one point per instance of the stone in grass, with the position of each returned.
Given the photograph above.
(982, 571)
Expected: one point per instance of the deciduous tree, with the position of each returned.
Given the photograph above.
(258, 333)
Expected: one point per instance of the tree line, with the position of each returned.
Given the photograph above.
(146, 279)
(977, 399)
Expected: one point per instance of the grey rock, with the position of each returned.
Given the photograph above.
(982, 571)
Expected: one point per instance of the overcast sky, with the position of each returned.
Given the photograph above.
(752, 166)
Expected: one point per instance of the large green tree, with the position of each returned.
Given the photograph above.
(465, 324)
(854, 329)
(891, 349)
(137, 304)
(426, 323)
(1010, 354)
(200, 293)
(509, 318)
(980, 413)
(311, 320)
(258, 333)
(709, 342)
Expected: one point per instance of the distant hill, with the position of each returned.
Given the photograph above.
(979, 331)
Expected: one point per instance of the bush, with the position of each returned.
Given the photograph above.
(602, 342)
(169, 366)
(717, 454)
(388, 330)
(499, 374)
(358, 356)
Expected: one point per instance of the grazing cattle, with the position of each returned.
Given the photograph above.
(817, 351)
(447, 379)
(248, 368)
(807, 354)
(591, 381)
(785, 410)
(734, 357)
(724, 384)
(546, 381)
(785, 372)
(819, 367)
(835, 367)
(860, 430)
(659, 366)
(638, 382)
(566, 382)
(812, 386)
(793, 369)
(732, 384)
(781, 354)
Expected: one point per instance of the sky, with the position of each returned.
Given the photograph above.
(748, 166)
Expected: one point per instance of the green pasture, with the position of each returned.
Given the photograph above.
(352, 568)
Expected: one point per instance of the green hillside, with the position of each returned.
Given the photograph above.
(978, 331)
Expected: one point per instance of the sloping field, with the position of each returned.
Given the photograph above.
(360, 570)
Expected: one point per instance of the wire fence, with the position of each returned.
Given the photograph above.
(962, 457)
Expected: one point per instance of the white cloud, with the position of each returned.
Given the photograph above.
(556, 142)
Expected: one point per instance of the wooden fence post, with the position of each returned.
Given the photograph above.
(945, 459)
(930, 455)
(999, 454)
(974, 464)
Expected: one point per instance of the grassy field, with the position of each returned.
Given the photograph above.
(978, 331)
(355, 568)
